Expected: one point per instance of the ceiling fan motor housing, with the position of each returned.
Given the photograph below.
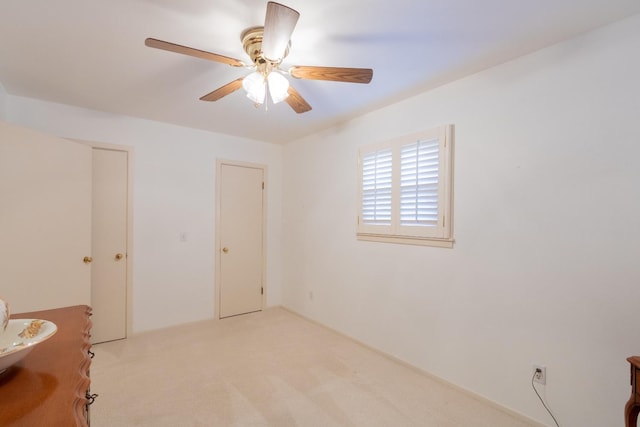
(252, 43)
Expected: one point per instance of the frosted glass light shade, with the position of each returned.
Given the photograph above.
(254, 84)
(278, 87)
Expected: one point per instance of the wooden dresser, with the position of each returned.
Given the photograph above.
(50, 386)
(632, 408)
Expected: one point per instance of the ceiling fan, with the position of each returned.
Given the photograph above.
(267, 47)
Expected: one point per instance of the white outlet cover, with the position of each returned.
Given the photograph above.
(541, 378)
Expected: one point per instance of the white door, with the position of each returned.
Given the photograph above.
(45, 220)
(240, 228)
(109, 245)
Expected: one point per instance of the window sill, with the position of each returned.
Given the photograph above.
(404, 240)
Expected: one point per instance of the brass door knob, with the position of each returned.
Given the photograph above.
(87, 260)
(119, 257)
(225, 250)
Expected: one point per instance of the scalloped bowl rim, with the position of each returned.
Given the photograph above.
(9, 340)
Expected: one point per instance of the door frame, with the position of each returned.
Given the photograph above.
(129, 249)
(218, 245)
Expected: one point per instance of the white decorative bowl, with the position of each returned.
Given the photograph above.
(4, 315)
(20, 337)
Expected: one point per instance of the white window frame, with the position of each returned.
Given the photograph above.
(437, 232)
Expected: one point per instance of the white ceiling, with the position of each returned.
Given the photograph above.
(91, 53)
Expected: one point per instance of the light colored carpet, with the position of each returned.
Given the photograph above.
(270, 368)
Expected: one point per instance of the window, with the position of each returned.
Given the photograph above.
(406, 189)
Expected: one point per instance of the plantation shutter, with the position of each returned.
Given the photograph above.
(376, 187)
(419, 169)
(405, 189)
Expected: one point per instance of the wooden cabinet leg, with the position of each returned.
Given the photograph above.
(631, 411)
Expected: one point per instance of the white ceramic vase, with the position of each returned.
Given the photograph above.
(4, 315)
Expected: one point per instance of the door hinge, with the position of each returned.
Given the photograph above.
(261, 290)
(263, 185)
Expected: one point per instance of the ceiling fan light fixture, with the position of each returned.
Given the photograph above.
(278, 87)
(255, 86)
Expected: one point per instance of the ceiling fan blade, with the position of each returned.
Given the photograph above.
(296, 101)
(223, 91)
(336, 74)
(278, 27)
(172, 47)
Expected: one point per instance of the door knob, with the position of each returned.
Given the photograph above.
(87, 260)
(119, 257)
(225, 250)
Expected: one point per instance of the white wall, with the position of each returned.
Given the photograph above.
(173, 191)
(3, 101)
(547, 202)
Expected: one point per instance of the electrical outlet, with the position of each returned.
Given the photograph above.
(540, 374)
